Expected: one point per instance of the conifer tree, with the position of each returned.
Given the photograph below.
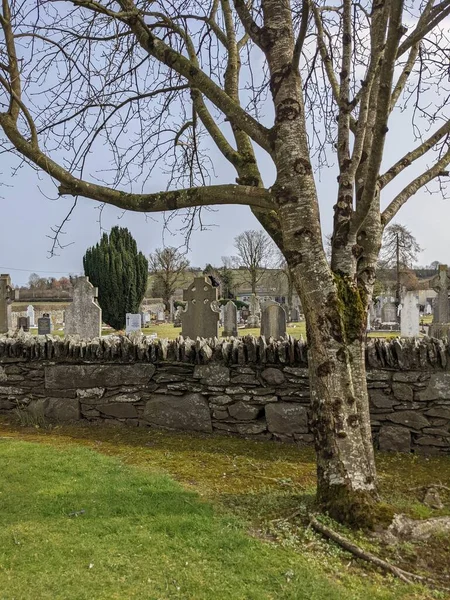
(120, 272)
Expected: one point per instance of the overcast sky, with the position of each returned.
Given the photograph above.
(28, 213)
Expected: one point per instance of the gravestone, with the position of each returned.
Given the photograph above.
(440, 328)
(255, 313)
(23, 323)
(295, 315)
(44, 325)
(133, 322)
(230, 320)
(273, 321)
(5, 303)
(389, 313)
(201, 317)
(161, 316)
(30, 315)
(177, 317)
(409, 317)
(84, 315)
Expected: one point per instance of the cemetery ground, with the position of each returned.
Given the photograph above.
(95, 512)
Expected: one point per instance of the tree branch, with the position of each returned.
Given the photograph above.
(301, 35)
(437, 170)
(409, 158)
(70, 185)
(251, 28)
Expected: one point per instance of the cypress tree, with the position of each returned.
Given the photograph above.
(120, 272)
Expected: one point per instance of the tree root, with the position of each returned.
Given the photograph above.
(369, 557)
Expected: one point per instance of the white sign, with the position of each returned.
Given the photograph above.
(133, 322)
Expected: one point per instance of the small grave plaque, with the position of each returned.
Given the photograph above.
(133, 322)
(44, 326)
(23, 323)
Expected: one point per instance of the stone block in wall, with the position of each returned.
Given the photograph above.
(379, 399)
(188, 413)
(3, 375)
(409, 418)
(429, 440)
(394, 439)
(439, 411)
(286, 418)
(90, 393)
(212, 374)
(242, 411)
(407, 376)
(220, 414)
(402, 392)
(251, 428)
(378, 375)
(91, 376)
(262, 400)
(243, 379)
(438, 388)
(118, 410)
(273, 376)
(59, 410)
(221, 400)
(297, 371)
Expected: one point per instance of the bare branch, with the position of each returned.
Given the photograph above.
(437, 170)
(418, 152)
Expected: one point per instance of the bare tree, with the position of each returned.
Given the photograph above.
(167, 266)
(154, 81)
(399, 250)
(255, 252)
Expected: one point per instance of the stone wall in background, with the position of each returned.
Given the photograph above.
(242, 387)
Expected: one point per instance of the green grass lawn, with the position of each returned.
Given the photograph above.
(141, 535)
(182, 516)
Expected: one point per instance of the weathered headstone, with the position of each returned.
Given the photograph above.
(295, 315)
(23, 323)
(133, 322)
(84, 315)
(410, 318)
(389, 313)
(44, 325)
(30, 315)
(230, 320)
(161, 316)
(440, 328)
(255, 313)
(273, 321)
(201, 317)
(5, 303)
(177, 317)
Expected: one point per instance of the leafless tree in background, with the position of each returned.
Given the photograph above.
(167, 265)
(155, 82)
(255, 252)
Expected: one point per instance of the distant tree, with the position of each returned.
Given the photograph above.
(120, 272)
(33, 280)
(435, 265)
(399, 250)
(255, 252)
(167, 266)
(227, 277)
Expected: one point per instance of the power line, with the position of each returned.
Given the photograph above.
(34, 271)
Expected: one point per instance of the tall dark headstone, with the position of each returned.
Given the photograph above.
(201, 316)
(5, 303)
(230, 320)
(273, 321)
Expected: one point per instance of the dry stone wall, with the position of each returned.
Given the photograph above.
(246, 387)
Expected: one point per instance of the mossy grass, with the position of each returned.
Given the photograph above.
(267, 490)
